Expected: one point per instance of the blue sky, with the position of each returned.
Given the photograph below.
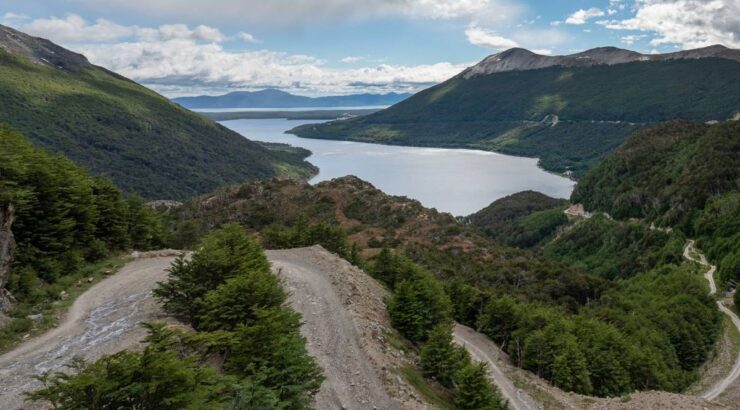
(319, 47)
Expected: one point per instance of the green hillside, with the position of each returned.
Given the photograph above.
(118, 128)
(523, 219)
(513, 112)
(681, 174)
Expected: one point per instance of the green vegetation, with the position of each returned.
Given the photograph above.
(680, 174)
(616, 250)
(524, 219)
(607, 308)
(66, 222)
(137, 138)
(288, 115)
(511, 112)
(236, 305)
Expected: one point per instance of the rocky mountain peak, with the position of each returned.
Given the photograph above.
(40, 51)
(520, 59)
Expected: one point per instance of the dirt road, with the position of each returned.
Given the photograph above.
(482, 349)
(103, 320)
(326, 290)
(714, 391)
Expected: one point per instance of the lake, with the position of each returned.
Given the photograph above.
(459, 181)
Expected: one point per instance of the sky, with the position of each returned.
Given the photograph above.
(334, 47)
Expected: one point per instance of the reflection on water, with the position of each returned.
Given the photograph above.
(458, 181)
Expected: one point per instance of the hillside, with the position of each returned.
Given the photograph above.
(523, 219)
(570, 111)
(588, 332)
(115, 127)
(680, 174)
(271, 98)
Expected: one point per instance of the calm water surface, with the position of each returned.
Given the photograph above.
(458, 181)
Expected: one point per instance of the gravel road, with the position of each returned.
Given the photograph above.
(720, 386)
(482, 349)
(315, 278)
(103, 320)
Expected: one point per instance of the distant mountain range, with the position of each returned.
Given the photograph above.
(272, 98)
(569, 111)
(116, 127)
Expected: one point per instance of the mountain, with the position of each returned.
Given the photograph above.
(271, 98)
(116, 127)
(522, 219)
(680, 174)
(570, 111)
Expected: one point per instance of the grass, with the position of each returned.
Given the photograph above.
(52, 306)
(437, 396)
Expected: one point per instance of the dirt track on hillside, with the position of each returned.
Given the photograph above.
(103, 320)
(344, 314)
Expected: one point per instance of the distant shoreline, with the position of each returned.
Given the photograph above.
(289, 115)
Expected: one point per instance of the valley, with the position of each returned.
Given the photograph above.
(533, 231)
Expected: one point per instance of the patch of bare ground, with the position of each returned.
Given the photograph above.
(347, 326)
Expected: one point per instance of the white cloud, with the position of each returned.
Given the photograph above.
(247, 37)
(352, 59)
(543, 51)
(10, 18)
(580, 16)
(482, 37)
(187, 66)
(632, 38)
(75, 29)
(289, 12)
(685, 23)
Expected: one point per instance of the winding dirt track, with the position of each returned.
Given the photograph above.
(352, 382)
(482, 349)
(103, 320)
(719, 387)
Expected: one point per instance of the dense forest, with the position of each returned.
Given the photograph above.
(236, 305)
(523, 219)
(513, 112)
(588, 326)
(680, 174)
(118, 128)
(64, 219)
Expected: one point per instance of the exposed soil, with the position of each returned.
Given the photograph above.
(345, 323)
(103, 320)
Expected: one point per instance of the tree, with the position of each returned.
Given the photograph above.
(418, 305)
(440, 359)
(475, 391)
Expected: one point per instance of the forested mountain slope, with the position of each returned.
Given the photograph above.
(580, 330)
(272, 98)
(115, 127)
(681, 174)
(570, 111)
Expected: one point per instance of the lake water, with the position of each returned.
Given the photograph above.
(459, 181)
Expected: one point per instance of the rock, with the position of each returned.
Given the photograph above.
(63, 295)
(36, 318)
(7, 248)
(90, 279)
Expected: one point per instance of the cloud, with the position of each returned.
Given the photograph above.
(685, 23)
(290, 12)
(247, 37)
(179, 67)
(10, 18)
(352, 59)
(75, 29)
(632, 38)
(482, 37)
(581, 16)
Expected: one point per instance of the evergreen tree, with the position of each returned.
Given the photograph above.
(475, 391)
(440, 359)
